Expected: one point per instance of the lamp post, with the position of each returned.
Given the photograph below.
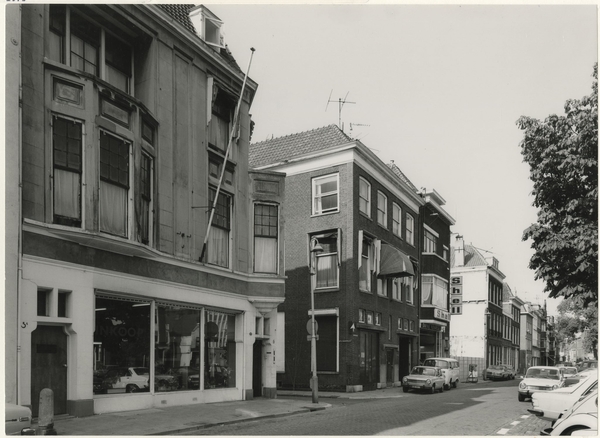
(315, 249)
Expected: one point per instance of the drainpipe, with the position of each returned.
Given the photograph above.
(19, 218)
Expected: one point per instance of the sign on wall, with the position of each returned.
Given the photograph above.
(456, 285)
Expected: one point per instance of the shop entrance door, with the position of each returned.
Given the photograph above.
(257, 369)
(369, 360)
(49, 367)
(389, 354)
(404, 357)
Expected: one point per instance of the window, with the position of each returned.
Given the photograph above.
(67, 171)
(396, 220)
(219, 350)
(325, 191)
(326, 262)
(382, 287)
(445, 253)
(434, 291)
(369, 317)
(406, 289)
(364, 197)
(146, 172)
(430, 242)
(396, 289)
(43, 302)
(381, 209)
(327, 347)
(266, 232)
(361, 315)
(63, 304)
(399, 323)
(377, 318)
(91, 49)
(410, 228)
(365, 261)
(218, 242)
(114, 184)
(219, 124)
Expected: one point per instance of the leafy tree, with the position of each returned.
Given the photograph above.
(576, 318)
(562, 152)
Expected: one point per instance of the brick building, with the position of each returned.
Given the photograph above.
(365, 216)
(114, 162)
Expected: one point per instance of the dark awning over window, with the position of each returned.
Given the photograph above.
(394, 263)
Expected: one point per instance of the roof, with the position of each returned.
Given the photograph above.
(280, 149)
(401, 175)
(472, 258)
(181, 14)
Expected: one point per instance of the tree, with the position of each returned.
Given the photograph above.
(575, 318)
(562, 152)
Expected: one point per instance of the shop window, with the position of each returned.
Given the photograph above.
(218, 242)
(364, 197)
(396, 220)
(67, 171)
(410, 229)
(266, 232)
(382, 209)
(325, 194)
(91, 49)
(219, 350)
(121, 345)
(43, 302)
(327, 346)
(176, 348)
(114, 184)
(326, 264)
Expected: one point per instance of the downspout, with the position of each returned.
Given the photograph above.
(19, 218)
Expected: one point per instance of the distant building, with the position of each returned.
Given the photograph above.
(116, 156)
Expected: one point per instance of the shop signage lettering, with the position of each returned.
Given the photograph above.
(120, 331)
(441, 314)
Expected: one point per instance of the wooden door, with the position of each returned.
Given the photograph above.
(49, 366)
(389, 366)
(369, 360)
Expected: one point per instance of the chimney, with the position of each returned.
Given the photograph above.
(458, 247)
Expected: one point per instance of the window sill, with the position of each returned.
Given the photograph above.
(365, 215)
(325, 214)
(365, 291)
(382, 226)
(434, 254)
(327, 289)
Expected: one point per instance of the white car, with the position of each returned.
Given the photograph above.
(550, 404)
(17, 420)
(540, 378)
(580, 420)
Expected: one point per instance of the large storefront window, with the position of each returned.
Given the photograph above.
(219, 350)
(121, 346)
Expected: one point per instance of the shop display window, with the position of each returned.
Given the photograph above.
(219, 350)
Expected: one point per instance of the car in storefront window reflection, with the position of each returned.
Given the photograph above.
(216, 376)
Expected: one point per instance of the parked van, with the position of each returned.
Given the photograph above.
(450, 369)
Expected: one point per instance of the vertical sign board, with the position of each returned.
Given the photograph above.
(456, 285)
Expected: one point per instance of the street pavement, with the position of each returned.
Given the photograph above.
(472, 409)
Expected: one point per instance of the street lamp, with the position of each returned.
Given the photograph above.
(315, 249)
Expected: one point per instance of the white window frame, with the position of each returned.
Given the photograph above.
(329, 254)
(396, 290)
(381, 209)
(382, 287)
(314, 197)
(430, 241)
(361, 181)
(276, 238)
(396, 219)
(368, 260)
(410, 229)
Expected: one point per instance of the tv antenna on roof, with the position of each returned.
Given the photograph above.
(341, 103)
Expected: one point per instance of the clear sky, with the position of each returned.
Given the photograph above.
(440, 88)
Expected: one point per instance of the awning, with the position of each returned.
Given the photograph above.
(394, 263)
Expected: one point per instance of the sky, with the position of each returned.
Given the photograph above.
(435, 88)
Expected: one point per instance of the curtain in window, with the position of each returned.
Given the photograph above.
(66, 194)
(327, 270)
(218, 132)
(265, 255)
(218, 247)
(113, 209)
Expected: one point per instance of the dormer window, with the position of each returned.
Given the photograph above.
(208, 26)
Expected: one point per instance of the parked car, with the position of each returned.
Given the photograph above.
(450, 369)
(497, 372)
(551, 404)
(424, 378)
(586, 364)
(581, 375)
(569, 371)
(129, 379)
(540, 378)
(17, 420)
(580, 420)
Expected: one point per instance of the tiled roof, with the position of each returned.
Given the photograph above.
(401, 175)
(472, 258)
(506, 292)
(280, 149)
(181, 14)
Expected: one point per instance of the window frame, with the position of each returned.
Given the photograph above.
(382, 213)
(314, 196)
(276, 237)
(363, 238)
(430, 242)
(396, 220)
(382, 289)
(410, 229)
(226, 227)
(366, 201)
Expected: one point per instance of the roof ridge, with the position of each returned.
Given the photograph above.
(303, 133)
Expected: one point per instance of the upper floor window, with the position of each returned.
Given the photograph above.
(364, 196)
(396, 220)
(445, 253)
(434, 291)
(220, 123)
(430, 242)
(396, 291)
(83, 44)
(219, 241)
(326, 263)
(381, 209)
(146, 176)
(410, 229)
(266, 232)
(382, 287)
(67, 171)
(407, 286)
(114, 184)
(365, 263)
(325, 194)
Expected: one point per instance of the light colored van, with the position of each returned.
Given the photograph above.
(450, 369)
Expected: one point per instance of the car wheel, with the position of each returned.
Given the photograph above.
(433, 388)
(131, 388)
(442, 388)
(405, 389)
(521, 397)
(455, 384)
